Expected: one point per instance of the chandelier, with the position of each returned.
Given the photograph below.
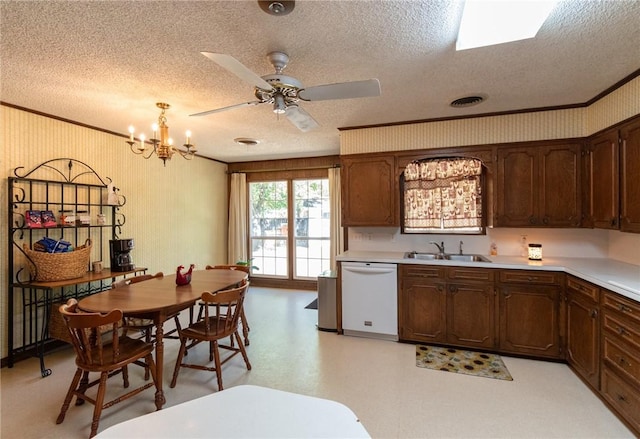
(162, 146)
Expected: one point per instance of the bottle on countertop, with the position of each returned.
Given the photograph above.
(493, 249)
(524, 250)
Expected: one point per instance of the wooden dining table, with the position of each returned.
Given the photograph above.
(158, 299)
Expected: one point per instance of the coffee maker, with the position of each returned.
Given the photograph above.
(120, 252)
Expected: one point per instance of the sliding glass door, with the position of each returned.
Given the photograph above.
(289, 228)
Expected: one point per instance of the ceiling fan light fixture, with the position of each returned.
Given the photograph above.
(279, 106)
(277, 7)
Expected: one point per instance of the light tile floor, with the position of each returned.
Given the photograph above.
(377, 379)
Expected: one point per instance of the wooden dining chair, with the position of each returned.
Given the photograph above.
(221, 317)
(107, 354)
(243, 316)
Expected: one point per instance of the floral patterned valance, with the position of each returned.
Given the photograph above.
(442, 168)
(443, 193)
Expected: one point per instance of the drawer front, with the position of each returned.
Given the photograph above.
(622, 397)
(622, 305)
(472, 274)
(622, 328)
(422, 271)
(623, 359)
(582, 288)
(530, 277)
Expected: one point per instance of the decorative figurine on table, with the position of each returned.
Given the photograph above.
(184, 278)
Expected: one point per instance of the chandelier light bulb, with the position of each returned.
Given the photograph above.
(131, 131)
(142, 145)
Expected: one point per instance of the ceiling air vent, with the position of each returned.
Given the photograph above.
(468, 101)
(246, 141)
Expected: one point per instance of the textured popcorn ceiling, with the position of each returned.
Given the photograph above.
(106, 64)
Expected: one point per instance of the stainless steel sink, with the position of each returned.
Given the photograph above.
(424, 256)
(446, 257)
(467, 258)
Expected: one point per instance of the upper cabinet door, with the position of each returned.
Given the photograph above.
(630, 177)
(602, 168)
(516, 192)
(369, 191)
(559, 185)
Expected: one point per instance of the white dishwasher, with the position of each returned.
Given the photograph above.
(370, 300)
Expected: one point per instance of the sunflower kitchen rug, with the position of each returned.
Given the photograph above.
(461, 361)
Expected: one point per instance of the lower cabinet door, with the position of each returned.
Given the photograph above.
(530, 320)
(422, 308)
(471, 315)
(583, 339)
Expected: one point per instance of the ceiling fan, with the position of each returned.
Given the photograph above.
(284, 92)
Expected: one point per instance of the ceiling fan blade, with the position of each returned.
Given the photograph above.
(231, 107)
(301, 118)
(238, 69)
(342, 90)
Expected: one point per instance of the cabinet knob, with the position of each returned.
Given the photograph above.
(622, 398)
(623, 362)
(594, 313)
(545, 220)
(532, 220)
(621, 330)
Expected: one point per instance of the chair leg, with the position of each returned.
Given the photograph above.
(125, 376)
(151, 365)
(82, 388)
(245, 327)
(147, 338)
(243, 351)
(216, 356)
(97, 410)
(176, 370)
(67, 399)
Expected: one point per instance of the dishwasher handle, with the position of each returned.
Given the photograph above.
(369, 270)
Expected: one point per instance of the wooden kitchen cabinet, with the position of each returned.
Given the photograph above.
(471, 313)
(369, 191)
(583, 329)
(441, 305)
(602, 175)
(422, 304)
(529, 313)
(620, 380)
(630, 177)
(539, 186)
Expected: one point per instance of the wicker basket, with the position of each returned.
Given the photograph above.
(46, 267)
(57, 327)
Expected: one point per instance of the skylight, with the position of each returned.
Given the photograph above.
(489, 22)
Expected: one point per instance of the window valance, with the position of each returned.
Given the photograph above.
(443, 194)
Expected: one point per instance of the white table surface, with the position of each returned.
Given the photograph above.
(245, 412)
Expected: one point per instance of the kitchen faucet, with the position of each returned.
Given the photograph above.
(440, 246)
(461, 247)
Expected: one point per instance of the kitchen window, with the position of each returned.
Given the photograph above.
(443, 196)
(289, 228)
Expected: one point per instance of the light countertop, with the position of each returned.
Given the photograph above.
(620, 277)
